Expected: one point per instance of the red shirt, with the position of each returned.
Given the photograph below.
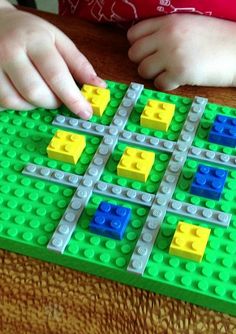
(133, 10)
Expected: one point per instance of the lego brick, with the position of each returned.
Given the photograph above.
(182, 107)
(157, 115)
(209, 182)
(223, 155)
(31, 207)
(110, 220)
(189, 241)
(223, 131)
(66, 146)
(98, 97)
(136, 164)
(139, 259)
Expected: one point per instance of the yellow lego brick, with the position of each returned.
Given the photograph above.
(189, 241)
(136, 164)
(98, 97)
(66, 146)
(157, 115)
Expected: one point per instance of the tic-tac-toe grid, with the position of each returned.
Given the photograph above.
(160, 268)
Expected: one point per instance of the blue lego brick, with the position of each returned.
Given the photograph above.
(223, 131)
(110, 220)
(209, 182)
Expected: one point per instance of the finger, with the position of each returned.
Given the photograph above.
(9, 97)
(54, 70)
(79, 66)
(144, 28)
(29, 82)
(165, 81)
(151, 66)
(143, 48)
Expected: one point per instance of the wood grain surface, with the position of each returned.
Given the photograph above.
(42, 298)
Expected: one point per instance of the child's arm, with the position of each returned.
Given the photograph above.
(182, 49)
(37, 62)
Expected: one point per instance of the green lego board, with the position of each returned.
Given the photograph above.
(31, 208)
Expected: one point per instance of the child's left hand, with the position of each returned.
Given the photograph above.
(181, 49)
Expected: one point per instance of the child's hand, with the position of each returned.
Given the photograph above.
(37, 62)
(185, 49)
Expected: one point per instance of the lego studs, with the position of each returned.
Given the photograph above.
(209, 182)
(157, 115)
(189, 241)
(110, 220)
(98, 97)
(66, 146)
(223, 131)
(136, 164)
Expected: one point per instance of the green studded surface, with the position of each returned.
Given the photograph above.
(30, 209)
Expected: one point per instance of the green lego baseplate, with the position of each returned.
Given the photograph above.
(31, 208)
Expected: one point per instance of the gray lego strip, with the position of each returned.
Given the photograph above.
(53, 175)
(125, 136)
(159, 207)
(80, 125)
(213, 157)
(123, 193)
(67, 225)
(143, 140)
(130, 195)
(102, 188)
(118, 122)
(68, 222)
(199, 213)
(147, 141)
(124, 110)
(180, 208)
(168, 146)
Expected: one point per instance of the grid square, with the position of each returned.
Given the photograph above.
(110, 220)
(66, 146)
(223, 131)
(189, 241)
(157, 115)
(209, 182)
(136, 164)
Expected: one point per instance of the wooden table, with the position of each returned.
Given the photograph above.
(38, 297)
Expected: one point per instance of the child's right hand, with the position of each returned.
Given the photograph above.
(37, 62)
(185, 49)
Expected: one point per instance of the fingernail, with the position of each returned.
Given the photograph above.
(85, 114)
(100, 82)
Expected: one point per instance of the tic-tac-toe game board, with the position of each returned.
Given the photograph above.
(144, 193)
